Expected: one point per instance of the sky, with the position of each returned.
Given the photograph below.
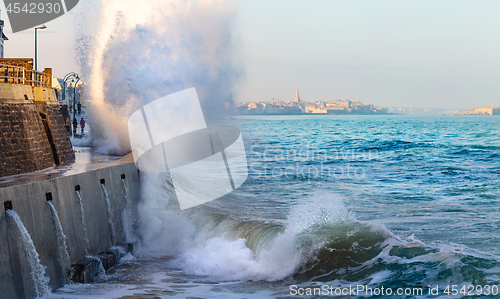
(434, 54)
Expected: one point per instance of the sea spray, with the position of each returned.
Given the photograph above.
(141, 52)
(110, 215)
(37, 270)
(214, 243)
(163, 230)
(84, 226)
(62, 247)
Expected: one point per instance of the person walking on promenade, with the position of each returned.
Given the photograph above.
(75, 126)
(68, 126)
(82, 124)
(79, 105)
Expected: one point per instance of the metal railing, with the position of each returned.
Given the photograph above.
(20, 75)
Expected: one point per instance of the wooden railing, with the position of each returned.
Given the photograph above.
(20, 75)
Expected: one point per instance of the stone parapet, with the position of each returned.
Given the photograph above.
(16, 93)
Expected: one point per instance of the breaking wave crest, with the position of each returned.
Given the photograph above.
(318, 240)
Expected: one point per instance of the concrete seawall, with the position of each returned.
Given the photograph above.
(30, 202)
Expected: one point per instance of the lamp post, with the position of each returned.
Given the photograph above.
(66, 78)
(36, 29)
(74, 99)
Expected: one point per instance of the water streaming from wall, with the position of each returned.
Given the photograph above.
(125, 189)
(84, 226)
(110, 214)
(61, 239)
(128, 217)
(37, 270)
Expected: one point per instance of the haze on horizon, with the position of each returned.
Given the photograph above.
(436, 54)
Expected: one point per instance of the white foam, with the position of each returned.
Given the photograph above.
(204, 246)
(164, 231)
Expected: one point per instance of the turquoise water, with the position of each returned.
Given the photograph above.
(435, 177)
(338, 201)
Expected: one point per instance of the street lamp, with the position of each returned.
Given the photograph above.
(66, 78)
(74, 99)
(36, 28)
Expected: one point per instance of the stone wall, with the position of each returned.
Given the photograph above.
(24, 146)
(57, 127)
(29, 142)
(65, 112)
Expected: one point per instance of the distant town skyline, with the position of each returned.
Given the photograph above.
(441, 54)
(297, 106)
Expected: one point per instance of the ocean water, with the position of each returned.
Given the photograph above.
(331, 204)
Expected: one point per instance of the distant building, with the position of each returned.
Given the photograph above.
(339, 104)
(490, 110)
(272, 109)
(297, 98)
(292, 110)
(315, 110)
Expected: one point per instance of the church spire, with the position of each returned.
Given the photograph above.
(297, 98)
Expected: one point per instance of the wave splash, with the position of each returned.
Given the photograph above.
(141, 51)
(319, 240)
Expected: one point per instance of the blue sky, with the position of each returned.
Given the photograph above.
(389, 53)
